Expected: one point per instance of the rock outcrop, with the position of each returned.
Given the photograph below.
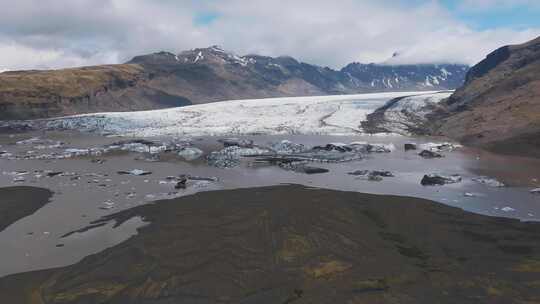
(498, 108)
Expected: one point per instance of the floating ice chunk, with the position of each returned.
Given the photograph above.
(77, 152)
(440, 147)
(107, 205)
(230, 156)
(535, 191)
(19, 179)
(361, 146)
(488, 181)
(190, 153)
(508, 209)
(287, 147)
(137, 172)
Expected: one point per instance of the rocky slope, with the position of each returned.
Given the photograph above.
(199, 76)
(498, 108)
(33, 94)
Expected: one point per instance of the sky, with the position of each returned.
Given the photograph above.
(43, 34)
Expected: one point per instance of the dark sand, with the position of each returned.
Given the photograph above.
(293, 244)
(19, 202)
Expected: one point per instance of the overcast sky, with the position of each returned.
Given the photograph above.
(65, 33)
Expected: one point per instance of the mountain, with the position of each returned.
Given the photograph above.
(498, 107)
(202, 75)
(406, 77)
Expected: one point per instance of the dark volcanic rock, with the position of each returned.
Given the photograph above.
(334, 147)
(309, 169)
(430, 154)
(292, 244)
(409, 147)
(371, 173)
(181, 183)
(439, 180)
(53, 174)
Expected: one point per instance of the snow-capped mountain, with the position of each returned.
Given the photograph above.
(407, 77)
(290, 73)
(203, 75)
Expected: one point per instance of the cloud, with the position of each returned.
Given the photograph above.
(496, 4)
(55, 33)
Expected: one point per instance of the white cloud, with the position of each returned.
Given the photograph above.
(55, 33)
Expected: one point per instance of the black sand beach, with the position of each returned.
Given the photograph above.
(19, 202)
(294, 244)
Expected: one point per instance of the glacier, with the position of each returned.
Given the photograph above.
(321, 115)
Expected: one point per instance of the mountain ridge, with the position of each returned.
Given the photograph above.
(164, 79)
(498, 107)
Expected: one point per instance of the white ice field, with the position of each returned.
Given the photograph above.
(328, 115)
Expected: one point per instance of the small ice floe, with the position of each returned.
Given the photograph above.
(5, 154)
(19, 179)
(201, 178)
(535, 191)
(190, 153)
(287, 147)
(440, 147)
(130, 195)
(440, 180)
(469, 194)
(72, 152)
(107, 205)
(16, 173)
(138, 146)
(136, 172)
(488, 181)
(530, 214)
(365, 147)
(374, 176)
(508, 209)
(230, 156)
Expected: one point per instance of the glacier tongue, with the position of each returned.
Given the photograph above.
(329, 115)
